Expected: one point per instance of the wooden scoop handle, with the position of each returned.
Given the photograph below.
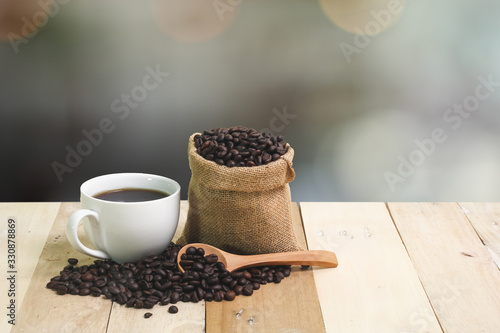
(313, 258)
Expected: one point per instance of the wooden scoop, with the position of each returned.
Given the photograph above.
(234, 262)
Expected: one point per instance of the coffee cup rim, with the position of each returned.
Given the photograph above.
(84, 191)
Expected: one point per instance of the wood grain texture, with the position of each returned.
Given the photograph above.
(45, 311)
(33, 224)
(182, 220)
(290, 306)
(457, 272)
(485, 218)
(375, 287)
(189, 319)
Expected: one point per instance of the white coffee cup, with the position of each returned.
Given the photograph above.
(126, 231)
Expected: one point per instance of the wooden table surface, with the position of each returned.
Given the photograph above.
(403, 267)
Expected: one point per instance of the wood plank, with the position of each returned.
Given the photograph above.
(182, 220)
(291, 306)
(375, 287)
(45, 311)
(190, 318)
(459, 276)
(485, 218)
(33, 223)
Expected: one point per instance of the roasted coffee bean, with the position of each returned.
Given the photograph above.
(218, 296)
(194, 297)
(213, 280)
(120, 299)
(188, 288)
(226, 280)
(247, 290)
(139, 304)
(94, 291)
(156, 279)
(51, 284)
(186, 263)
(62, 290)
(209, 297)
(233, 284)
(153, 299)
(244, 147)
(190, 251)
(175, 297)
(197, 266)
(211, 259)
(130, 303)
(266, 158)
(173, 309)
(237, 274)
(200, 292)
(175, 278)
(87, 277)
(216, 287)
(114, 290)
(85, 285)
(132, 286)
(238, 289)
(72, 261)
(84, 292)
(165, 286)
(100, 283)
(147, 315)
(230, 295)
(144, 285)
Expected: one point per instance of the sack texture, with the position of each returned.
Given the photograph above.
(244, 210)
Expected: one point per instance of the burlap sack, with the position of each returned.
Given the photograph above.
(245, 210)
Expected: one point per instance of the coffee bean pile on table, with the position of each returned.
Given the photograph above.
(157, 280)
(239, 146)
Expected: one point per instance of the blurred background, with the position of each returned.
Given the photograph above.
(381, 100)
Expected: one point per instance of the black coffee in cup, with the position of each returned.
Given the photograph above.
(131, 195)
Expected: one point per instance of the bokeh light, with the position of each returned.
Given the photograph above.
(363, 17)
(23, 18)
(193, 20)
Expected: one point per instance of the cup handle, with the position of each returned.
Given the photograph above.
(72, 233)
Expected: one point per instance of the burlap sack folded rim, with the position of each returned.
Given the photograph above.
(242, 179)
